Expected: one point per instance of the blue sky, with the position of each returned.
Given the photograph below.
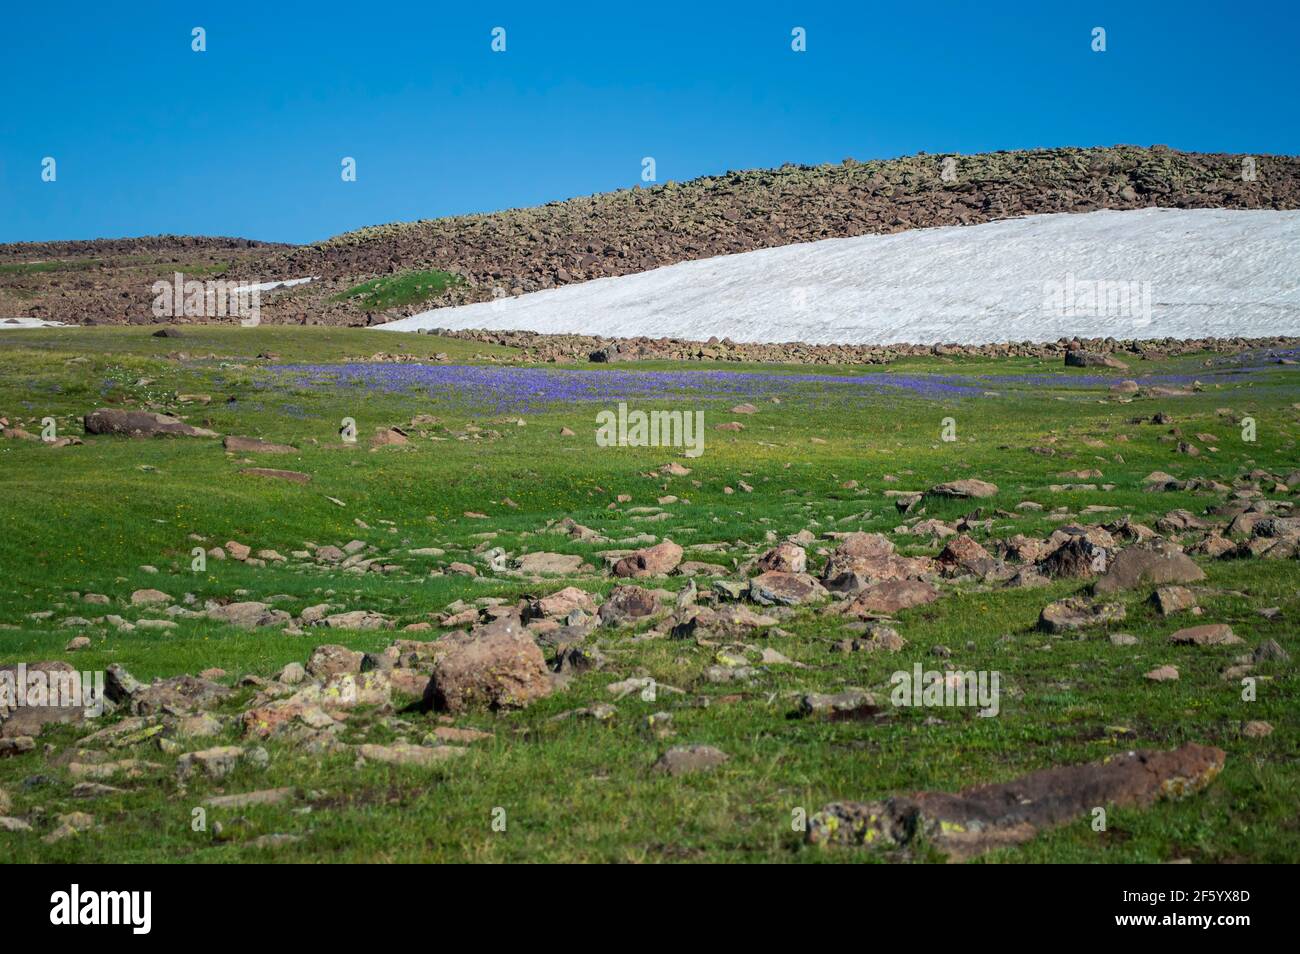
(247, 138)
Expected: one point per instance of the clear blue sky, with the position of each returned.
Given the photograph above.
(246, 139)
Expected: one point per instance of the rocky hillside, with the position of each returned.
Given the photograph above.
(109, 281)
(634, 230)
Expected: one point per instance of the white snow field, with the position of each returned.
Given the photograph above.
(283, 283)
(21, 322)
(1149, 273)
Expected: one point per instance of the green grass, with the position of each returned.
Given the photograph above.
(61, 265)
(85, 519)
(396, 291)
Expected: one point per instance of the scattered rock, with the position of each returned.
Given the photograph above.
(496, 666)
(1135, 566)
(627, 604)
(690, 759)
(964, 488)
(985, 817)
(1212, 634)
(403, 753)
(785, 558)
(329, 660)
(149, 597)
(787, 589)
(891, 596)
(658, 560)
(1169, 600)
(255, 445)
(248, 615)
(1074, 613)
(140, 424)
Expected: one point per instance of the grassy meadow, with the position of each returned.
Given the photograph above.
(488, 466)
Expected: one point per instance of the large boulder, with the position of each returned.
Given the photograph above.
(248, 615)
(561, 603)
(961, 555)
(788, 589)
(1211, 634)
(1079, 558)
(658, 560)
(785, 558)
(496, 666)
(627, 604)
(978, 819)
(1074, 613)
(890, 596)
(1078, 358)
(110, 420)
(1136, 566)
(331, 659)
(865, 558)
(175, 694)
(969, 487)
(548, 564)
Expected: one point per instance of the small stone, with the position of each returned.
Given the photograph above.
(690, 759)
(1213, 634)
(1257, 729)
(1169, 600)
(149, 597)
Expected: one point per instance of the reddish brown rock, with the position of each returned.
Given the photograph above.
(496, 666)
(864, 558)
(964, 488)
(1136, 566)
(788, 589)
(627, 604)
(1169, 600)
(562, 603)
(786, 558)
(255, 445)
(658, 560)
(985, 817)
(331, 659)
(1074, 613)
(890, 596)
(140, 424)
(1212, 634)
(1077, 558)
(389, 437)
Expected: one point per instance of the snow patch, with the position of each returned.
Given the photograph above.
(29, 323)
(1207, 272)
(271, 286)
